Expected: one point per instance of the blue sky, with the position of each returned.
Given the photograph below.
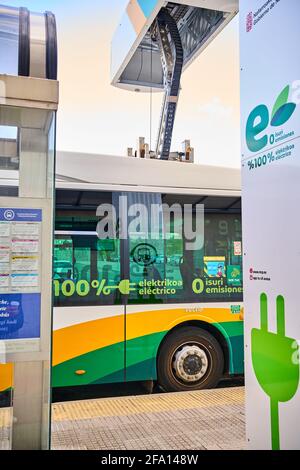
(98, 118)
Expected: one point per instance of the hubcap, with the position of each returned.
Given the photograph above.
(190, 363)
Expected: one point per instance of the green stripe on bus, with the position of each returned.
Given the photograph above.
(105, 365)
(7, 390)
(237, 344)
(141, 355)
(234, 328)
(234, 334)
(97, 364)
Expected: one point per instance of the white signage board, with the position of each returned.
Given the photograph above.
(20, 279)
(270, 122)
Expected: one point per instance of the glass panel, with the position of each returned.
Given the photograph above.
(174, 257)
(146, 248)
(27, 140)
(26, 170)
(213, 272)
(9, 40)
(8, 132)
(164, 267)
(6, 414)
(108, 261)
(5, 399)
(87, 270)
(223, 257)
(9, 148)
(51, 157)
(73, 220)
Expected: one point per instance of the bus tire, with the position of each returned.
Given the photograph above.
(190, 359)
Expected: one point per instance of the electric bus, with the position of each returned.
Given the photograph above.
(141, 304)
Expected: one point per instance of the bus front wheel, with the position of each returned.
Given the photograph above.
(190, 359)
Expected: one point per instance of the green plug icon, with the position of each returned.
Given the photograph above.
(275, 367)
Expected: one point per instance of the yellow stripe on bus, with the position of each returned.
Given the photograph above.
(144, 323)
(83, 338)
(86, 337)
(6, 376)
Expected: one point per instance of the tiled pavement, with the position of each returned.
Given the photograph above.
(208, 419)
(5, 420)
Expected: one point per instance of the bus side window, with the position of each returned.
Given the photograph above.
(63, 265)
(83, 268)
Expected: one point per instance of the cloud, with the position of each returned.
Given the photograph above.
(214, 130)
(216, 110)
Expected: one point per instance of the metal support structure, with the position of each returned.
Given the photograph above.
(172, 62)
(195, 27)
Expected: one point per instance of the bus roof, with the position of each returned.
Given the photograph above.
(123, 173)
(115, 173)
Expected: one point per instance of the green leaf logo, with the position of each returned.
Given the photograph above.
(281, 100)
(282, 110)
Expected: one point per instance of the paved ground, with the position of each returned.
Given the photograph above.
(209, 419)
(5, 420)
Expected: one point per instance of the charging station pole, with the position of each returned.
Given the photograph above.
(28, 108)
(270, 117)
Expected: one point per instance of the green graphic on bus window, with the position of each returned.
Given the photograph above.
(234, 275)
(275, 359)
(83, 288)
(214, 266)
(88, 271)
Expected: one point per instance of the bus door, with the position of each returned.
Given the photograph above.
(147, 273)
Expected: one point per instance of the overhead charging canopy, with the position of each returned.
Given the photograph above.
(157, 40)
(136, 59)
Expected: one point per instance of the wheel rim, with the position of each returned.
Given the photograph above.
(190, 363)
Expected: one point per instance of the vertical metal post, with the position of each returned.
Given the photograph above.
(31, 416)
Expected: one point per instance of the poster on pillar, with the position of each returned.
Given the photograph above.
(270, 123)
(20, 279)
